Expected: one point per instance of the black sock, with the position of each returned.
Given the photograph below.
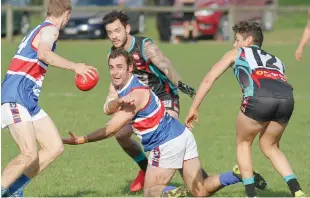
(142, 161)
(293, 186)
(143, 164)
(250, 190)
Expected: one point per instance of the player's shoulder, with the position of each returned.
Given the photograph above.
(143, 39)
(49, 29)
(141, 95)
(232, 54)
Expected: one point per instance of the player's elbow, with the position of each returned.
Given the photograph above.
(42, 55)
(209, 80)
(106, 109)
(106, 112)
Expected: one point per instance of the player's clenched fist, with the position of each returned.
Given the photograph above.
(298, 54)
(128, 99)
(191, 116)
(74, 139)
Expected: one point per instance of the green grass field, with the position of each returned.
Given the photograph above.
(103, 169)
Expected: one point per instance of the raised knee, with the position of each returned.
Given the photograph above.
(121, 138)
(57, 151)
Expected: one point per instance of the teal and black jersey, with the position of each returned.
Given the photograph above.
(261, 74)
(148, 73)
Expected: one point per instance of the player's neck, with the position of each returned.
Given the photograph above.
(126, 82)
(55, 21)
(128, 42)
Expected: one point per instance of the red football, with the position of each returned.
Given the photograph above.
(86, 84)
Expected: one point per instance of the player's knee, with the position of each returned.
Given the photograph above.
(267, 149)
(122, 138)
(200, 192)
(57, 151)
(119, 136)
(243, 143)
(29, 156)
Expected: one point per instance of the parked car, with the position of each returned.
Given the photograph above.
(215, 23)
(88, 25)
(21, 21)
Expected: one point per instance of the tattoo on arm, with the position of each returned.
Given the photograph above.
(153, 53)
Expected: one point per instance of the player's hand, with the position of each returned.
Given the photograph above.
(191, 116)
(187, 89)
(74, 139)
(85, 70)
(298, 54)
(128, 99)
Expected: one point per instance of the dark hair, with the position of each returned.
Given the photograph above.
(122, 52)
(250, 29)
(113, 16)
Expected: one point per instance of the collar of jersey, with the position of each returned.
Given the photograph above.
(126, 86)
(133, 40)
(48, 21)
(254, 46)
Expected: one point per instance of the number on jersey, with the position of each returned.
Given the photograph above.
(264, 59)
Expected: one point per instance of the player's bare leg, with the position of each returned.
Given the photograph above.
(156, 180)
(134, 150)
(24, 136)
(51, 148)
(51, 145)
(268, 141)
(176, 116)
(194, 180)
(129, 145)
(247, 129)
(201, 186)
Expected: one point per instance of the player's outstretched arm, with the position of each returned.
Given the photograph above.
(304, 40)
(119, 119)
(48, 35)
(216, 71)
(153, 53)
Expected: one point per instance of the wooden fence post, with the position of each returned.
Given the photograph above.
(9, 23)
(45, 5)
(231, 20)
(275, 12)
